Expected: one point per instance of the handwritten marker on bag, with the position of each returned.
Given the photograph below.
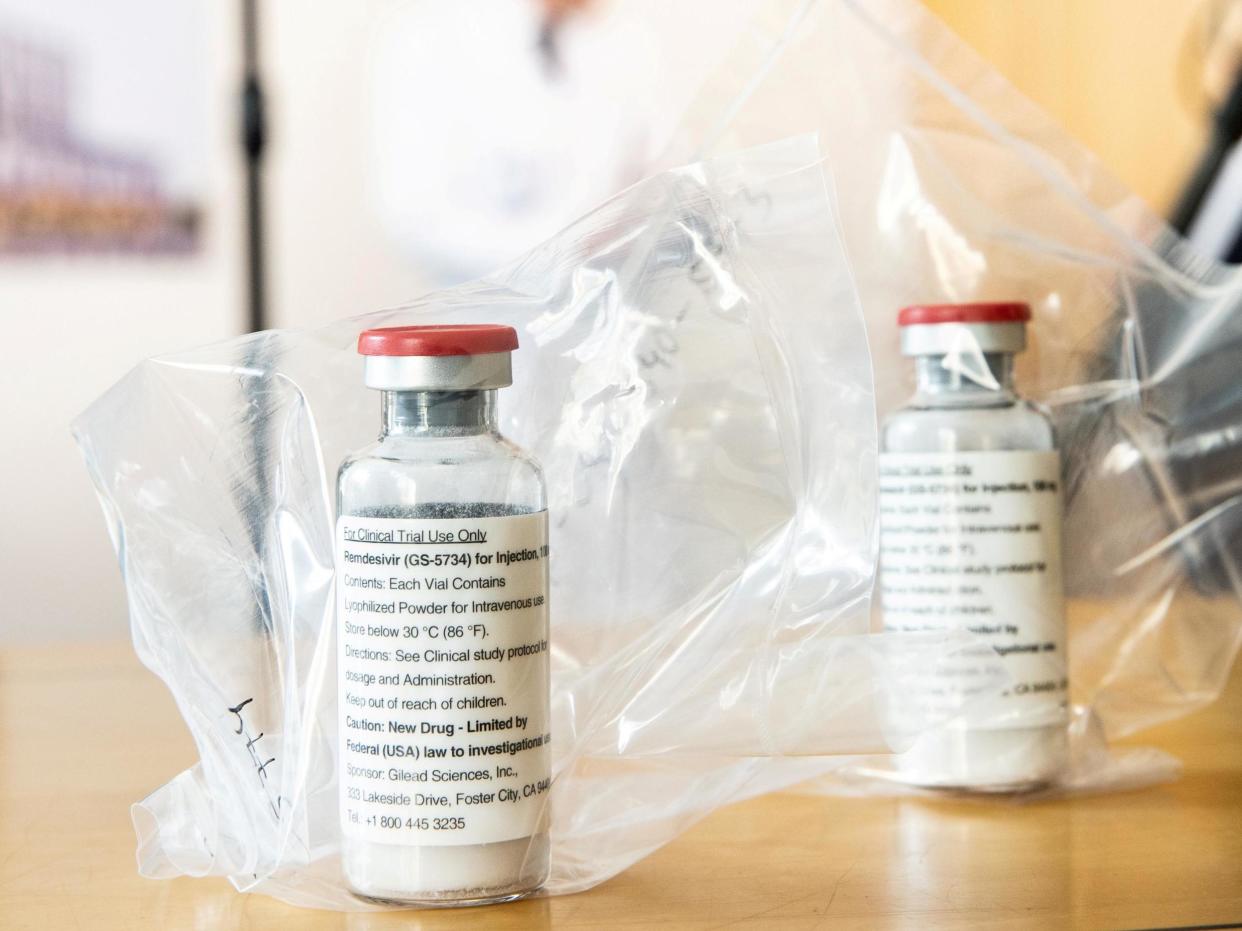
(970, 540)
(442, 624)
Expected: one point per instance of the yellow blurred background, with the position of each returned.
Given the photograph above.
(1122, 76)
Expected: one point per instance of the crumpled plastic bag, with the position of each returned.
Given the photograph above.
(695, 381)
(953, 187)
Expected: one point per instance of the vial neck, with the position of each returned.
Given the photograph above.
(438, 413)
(978, 379)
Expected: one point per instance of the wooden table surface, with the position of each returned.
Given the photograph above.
(85, 731)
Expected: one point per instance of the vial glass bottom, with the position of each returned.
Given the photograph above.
(448, 876)
(982, 760)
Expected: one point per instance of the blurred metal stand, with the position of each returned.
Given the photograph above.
(253, 480)
(254, 143)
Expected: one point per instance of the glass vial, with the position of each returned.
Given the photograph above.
(970, 539)
(442, 588)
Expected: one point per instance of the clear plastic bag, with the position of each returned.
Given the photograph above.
(953, 187)
(697, 383)
(694, 379)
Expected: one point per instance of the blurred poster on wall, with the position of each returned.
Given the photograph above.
(103, 127)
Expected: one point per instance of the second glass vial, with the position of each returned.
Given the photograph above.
(970, 540)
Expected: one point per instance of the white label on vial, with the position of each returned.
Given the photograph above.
(972, 541)
(443, 674)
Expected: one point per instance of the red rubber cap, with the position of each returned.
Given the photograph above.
(472, 339)
(982, 312)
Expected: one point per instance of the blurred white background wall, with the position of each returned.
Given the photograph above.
(75, 325)
(328, 256)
